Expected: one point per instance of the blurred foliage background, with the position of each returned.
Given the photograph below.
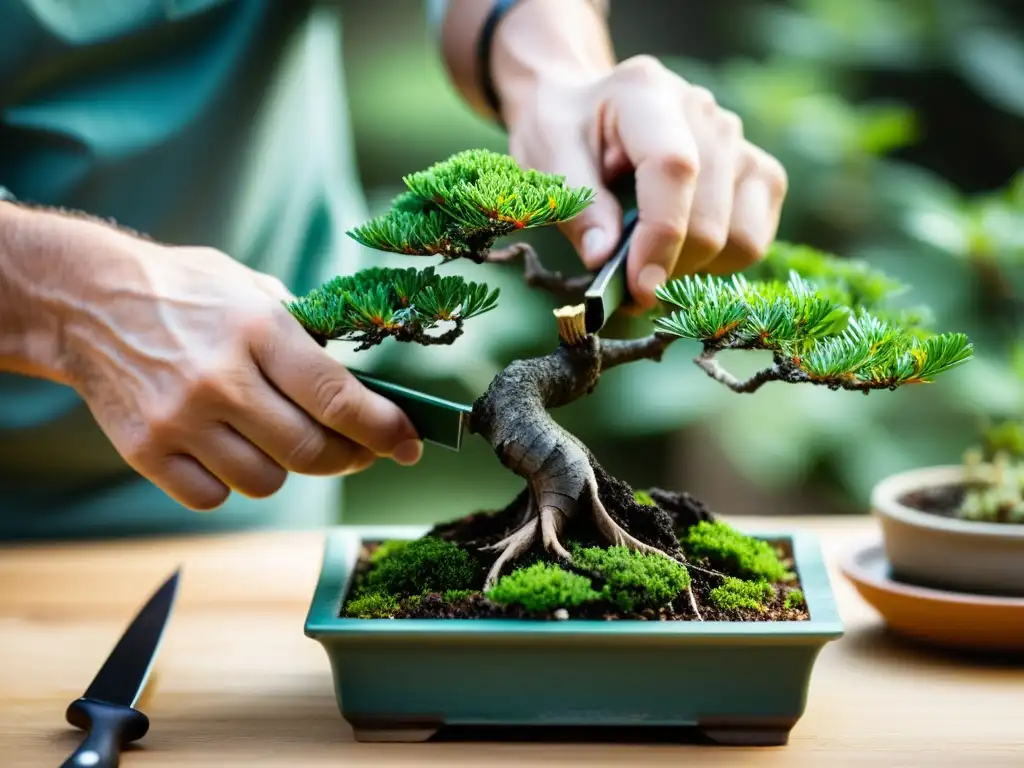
(901, 124)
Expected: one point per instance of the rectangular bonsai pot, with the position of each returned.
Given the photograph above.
(403, 679)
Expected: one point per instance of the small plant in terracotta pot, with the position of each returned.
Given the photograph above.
(584, 600)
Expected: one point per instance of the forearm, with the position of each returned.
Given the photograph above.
(40, 258)
(537, 43)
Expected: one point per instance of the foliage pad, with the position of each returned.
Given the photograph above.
(826, 320)
(458, 207)
(404, 304)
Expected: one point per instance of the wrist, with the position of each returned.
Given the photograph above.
(45, 275)
(548, 46)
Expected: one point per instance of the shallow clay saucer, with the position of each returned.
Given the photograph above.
(954, 620)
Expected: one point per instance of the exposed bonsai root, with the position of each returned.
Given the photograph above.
(562, 475)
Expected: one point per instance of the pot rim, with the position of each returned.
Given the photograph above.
(886, 492)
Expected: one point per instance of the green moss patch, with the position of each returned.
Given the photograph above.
(633, 580)
(794, 600)
(421, 565)
(737, 594)
(727, 549)
(372, 605)
(543, 587)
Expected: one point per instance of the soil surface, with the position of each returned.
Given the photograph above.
(485, 527)
(941, 500)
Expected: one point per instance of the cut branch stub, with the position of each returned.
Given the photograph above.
(572, 324)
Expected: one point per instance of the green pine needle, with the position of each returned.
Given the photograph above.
(815, 336)
(404, 304)
(459, 207)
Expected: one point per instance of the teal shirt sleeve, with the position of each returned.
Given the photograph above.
(436, 9)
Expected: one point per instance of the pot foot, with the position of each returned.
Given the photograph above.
(769, 733)
(398, 731)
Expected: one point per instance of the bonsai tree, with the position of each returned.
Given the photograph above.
(824, 321)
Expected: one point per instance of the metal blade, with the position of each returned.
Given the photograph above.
(609, 290)
(436, 420)
(123, 676)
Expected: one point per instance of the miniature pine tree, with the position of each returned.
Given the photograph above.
(825, 320)
(454, 209)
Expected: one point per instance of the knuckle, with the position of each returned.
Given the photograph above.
(643, 68)
(338, 399)
(745, 252)
(668, 231)
(776, 176)
(730, 123)
(678, 167)
(707, 237)
(305, 456)
(703, 99)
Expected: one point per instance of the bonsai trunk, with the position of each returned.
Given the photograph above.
(565, 484)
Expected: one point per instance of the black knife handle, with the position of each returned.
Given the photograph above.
(108, 727)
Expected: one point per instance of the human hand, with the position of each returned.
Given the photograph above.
(708, 200)
(205, 383)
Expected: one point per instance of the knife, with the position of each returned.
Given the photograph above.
(106, 712)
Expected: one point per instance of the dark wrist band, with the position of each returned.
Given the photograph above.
(483, 54)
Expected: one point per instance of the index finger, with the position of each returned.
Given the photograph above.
(658, 141)
(331, 394)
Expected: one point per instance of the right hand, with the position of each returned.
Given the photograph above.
(205, 383)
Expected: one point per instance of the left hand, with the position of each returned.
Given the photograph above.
(708, 199)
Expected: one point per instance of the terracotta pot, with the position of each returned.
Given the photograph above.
(941, 552)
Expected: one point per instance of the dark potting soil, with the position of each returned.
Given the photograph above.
(941, 500)
(477, 606)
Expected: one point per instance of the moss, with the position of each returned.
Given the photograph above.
(736, 593)
(735, 553)
(794, 599)
(643, 497)
(634, 580)
(386, 549)
(427, 564)
(543, 587)
(372, 605)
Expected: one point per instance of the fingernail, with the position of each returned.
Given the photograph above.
(594, 242)
(408, 453)
(650, 278)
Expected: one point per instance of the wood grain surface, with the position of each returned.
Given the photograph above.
(238, 684)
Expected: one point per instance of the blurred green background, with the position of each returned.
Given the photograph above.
(901, 124)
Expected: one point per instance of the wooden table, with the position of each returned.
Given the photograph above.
(237, 683)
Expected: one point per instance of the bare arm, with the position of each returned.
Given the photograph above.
(537, 37)
(34, 266)
(186, 358)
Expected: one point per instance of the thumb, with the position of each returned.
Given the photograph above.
(596, 229)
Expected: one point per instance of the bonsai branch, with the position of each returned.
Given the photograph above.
(538, 276)
(620, 351)
(780, 370)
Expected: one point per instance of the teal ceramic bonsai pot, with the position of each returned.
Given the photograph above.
(738, 682)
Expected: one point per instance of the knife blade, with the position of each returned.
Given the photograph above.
(106, 711)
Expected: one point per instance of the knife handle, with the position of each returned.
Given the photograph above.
(108, 728)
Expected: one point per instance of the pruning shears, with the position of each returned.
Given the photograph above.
(443, 422)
